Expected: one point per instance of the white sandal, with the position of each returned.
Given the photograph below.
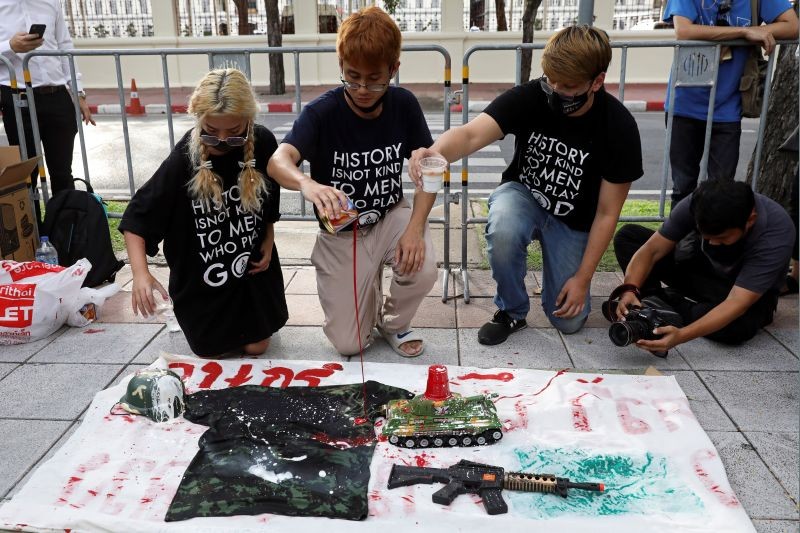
(395, 340)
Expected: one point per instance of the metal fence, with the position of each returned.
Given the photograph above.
(685, 52)
(108, 18)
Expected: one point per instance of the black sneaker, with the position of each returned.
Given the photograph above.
(499, 328)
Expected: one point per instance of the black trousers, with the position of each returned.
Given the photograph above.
(57, 128)
(686, 151)
(696, 279)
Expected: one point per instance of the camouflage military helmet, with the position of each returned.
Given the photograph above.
(156, 393)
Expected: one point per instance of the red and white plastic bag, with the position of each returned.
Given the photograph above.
(37, 298)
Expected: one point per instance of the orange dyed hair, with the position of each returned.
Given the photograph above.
(369, 36)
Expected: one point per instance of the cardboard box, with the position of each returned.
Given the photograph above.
(19, 235)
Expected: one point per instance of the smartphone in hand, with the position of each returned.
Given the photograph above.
(38, 29)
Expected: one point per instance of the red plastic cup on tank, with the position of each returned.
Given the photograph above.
(438, 383)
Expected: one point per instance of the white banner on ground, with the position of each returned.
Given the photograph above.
(636, 434)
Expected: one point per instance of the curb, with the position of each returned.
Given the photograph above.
(478, 106)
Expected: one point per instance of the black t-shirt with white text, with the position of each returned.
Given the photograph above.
(361, 157)
(219, 306)
(562, 160)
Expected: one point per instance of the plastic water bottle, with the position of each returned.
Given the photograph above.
(165, 310)
(46, 252)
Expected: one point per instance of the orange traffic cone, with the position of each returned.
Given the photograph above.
(136, 107)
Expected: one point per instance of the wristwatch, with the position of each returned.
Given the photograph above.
(82, 95)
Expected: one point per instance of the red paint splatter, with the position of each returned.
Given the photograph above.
(379, 423)
(507, 397)
(409, 498)
(630, 424)
(580, 419)
(92, 492)
(502, 376)
(595, 380)
(145, 500)
(422, 459)
(728, 500)
(375, 496)
(241, 377)
(360, 420)
(313, 375)
(670, 407)
(382, 438)
(559, 373)
(187, 369)
(332, 366)
(522, 417)
(90, 331)
(273, 374)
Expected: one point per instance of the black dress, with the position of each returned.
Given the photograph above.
(219, 306)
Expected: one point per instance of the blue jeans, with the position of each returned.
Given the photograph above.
(516, 219)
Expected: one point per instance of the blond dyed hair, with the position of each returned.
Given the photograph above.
(577, 54)
(224, 92)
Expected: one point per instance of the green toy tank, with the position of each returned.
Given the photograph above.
(440, 418)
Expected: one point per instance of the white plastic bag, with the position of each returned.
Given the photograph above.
(36, 299)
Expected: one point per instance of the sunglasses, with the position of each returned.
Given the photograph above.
(212, 140)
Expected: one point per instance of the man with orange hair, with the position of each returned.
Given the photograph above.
(355, 138)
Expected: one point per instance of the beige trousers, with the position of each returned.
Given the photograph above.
(375, 246)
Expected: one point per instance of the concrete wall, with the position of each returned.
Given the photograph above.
(643, 66)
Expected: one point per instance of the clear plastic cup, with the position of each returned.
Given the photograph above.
(432, 173)
(165, 312)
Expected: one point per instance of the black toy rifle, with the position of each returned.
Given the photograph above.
(485, 480)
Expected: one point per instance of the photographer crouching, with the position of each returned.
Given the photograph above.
(722, 253)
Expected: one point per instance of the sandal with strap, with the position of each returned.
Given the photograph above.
(396, 340)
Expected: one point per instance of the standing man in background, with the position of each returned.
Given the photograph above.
(718, 20)
(51, 80)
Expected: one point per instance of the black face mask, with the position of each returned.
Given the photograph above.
(369, 109)
(725, 254)
(564, 105)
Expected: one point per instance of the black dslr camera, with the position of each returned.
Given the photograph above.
(640, 322)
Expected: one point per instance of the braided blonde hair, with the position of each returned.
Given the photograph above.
(224, 92)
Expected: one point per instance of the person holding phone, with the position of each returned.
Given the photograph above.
(25, 26)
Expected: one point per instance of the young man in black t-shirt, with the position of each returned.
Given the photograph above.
(577, 150)
(731, 265)
(355, 139)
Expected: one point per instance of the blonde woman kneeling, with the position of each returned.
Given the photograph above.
(213, 206)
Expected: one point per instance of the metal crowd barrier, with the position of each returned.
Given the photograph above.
(705, 53)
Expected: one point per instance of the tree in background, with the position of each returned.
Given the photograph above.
(241, 11)
(528, 20)
(277, 80)
(477, 14)
(500, 9)
(778, 169)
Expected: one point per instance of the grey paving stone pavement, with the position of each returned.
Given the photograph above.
(756, 488)
(6, 368)
(528, 348)
(777, 526)
(24, 442)
(757, 401)
(98, 343)
(52, 451)
(591, 348)
(762, 352)
(52, 391)
(19, 353)
(705, 408)
(779, 451)
(788, 337)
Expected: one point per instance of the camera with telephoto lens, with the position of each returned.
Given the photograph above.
(640, 322)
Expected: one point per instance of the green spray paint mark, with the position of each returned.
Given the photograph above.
(635, 484)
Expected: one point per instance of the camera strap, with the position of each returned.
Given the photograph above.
(609, 307)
